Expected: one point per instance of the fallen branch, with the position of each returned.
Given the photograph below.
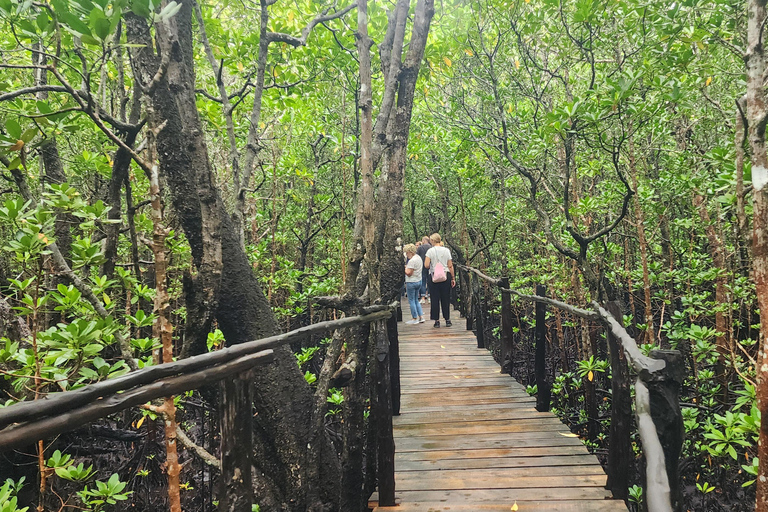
(198, 450)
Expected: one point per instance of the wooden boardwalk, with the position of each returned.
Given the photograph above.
(469, 439)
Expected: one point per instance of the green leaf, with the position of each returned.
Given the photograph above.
(140, 8)
(75, 24)
(28, 135)
(13, 128)
(101, 28)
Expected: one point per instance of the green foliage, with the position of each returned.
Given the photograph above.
(105, 493)
(8, 496)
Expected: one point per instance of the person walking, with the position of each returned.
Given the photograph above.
(413, 271)
(440, 264)
(422, 252)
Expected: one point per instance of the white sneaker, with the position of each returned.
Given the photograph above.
(422, 301)
(421, 321)
(412, 322)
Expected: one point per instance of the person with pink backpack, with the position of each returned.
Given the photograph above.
(440, 264)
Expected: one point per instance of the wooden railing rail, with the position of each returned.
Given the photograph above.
(657, 388)
(59, 412)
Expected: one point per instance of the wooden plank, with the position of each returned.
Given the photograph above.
(505, 440)
(509, 413)
(468, 428)
(479, 388)
(467, 455)
(496, 496)
(442, 481)
(409, 400)
(441, 464)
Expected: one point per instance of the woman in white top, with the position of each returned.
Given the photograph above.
(438, 259)
(413, 283)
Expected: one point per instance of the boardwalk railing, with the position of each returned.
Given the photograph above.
(26, 422)
(657, 389)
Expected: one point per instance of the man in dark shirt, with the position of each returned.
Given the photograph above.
(422, 252)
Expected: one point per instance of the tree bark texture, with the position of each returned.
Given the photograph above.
(757, 115)
(282, 429)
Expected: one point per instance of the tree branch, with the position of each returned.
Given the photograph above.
(280, 37)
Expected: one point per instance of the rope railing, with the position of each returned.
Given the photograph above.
(56, 413)
(657, 388)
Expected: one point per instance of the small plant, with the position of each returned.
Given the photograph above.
(305, 355)
(704, 487)
(8, 499)
(532, 390)
(215, 340)
(636, 494)
(310, 377)
(335, 397)
(74, 473)
(108, 493)
(591, 366)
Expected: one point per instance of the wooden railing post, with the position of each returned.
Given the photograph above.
(468, 281)
(507, 356)
(543, 393)
(383, 417)
(236, 420)
(664, 391)
(620, 449)
(479, 319)
(394, 364)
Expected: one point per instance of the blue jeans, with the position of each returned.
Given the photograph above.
(424, 277)
(413, 299)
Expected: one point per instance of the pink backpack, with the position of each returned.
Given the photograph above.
(438, 275)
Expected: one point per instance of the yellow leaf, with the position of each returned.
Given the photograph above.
(141, 422)
(17, 147)
(456, 377)
(568, 434)
(442, 346)
(709, 81)
(426, 90)
(468, 52)
(290, 16)
(590, 376)
(435, 137)
(240, 66)
(517, 64)
(514, 507)
(447, 61)
(107, 300)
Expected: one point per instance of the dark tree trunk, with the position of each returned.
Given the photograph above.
(282, 398)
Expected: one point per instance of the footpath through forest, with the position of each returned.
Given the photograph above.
(469, 438)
